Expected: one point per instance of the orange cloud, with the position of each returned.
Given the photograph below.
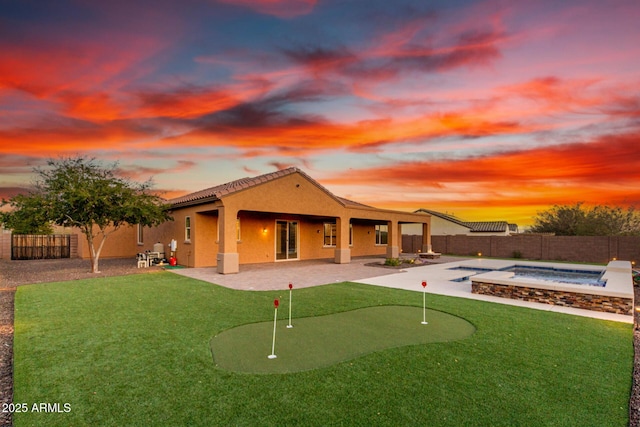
(508, 185)
(51, 140)
(609, 159)
(262, 129)
(194, 101)
(83, 78)
(554, 94)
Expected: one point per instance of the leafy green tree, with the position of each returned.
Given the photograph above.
(79, 192)
(27, 216)
(577, 220)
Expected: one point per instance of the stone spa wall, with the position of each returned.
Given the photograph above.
(602, 303)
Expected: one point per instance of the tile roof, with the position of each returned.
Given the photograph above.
(215, 193)
(474, 226)
(351, 202)
(488, 226)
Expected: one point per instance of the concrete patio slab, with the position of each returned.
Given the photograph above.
(302, 274)
(275, 276)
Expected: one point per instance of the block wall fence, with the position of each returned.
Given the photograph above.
(591, 249)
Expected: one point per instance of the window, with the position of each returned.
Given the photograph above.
(237, 230)
(140, 234)
(382, 233)
(187, 229)
(350, 234)
(330, 234)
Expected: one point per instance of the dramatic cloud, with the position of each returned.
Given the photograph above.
(584, 163)
(513, 186)
(501, 106)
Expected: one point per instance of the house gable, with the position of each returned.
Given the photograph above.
(268, 191)
(292, 193)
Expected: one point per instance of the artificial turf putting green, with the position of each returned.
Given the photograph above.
(321, 341)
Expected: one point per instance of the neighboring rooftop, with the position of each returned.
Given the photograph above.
(474, 226)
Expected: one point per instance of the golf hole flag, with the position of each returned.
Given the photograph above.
(424, 303)
(276, 303)
(289, 326)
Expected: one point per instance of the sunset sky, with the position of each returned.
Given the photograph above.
(489, 110)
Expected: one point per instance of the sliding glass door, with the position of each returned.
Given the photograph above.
(286, 240)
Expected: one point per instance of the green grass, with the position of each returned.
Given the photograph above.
(320, 341)
(135, 351)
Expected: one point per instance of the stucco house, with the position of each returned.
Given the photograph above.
(277, 217)
(446, 225)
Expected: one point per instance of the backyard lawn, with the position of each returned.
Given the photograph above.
(136, 350)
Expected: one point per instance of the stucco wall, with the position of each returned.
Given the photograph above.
(257, 238)
(439, 227)
(257, 241)
(121, 244)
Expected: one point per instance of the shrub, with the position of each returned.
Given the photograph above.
(394, 262)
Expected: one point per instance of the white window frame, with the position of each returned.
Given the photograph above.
(140, 234)
(382, 230)
(350, 234)
(333, 233)
(187, 229)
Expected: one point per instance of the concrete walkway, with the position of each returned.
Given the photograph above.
(302, 274)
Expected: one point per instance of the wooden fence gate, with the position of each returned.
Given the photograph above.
(47, 246)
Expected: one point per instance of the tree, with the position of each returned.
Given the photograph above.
(79, 192)
(577, 220)
(27, 216)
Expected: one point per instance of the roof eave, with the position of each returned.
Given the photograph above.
(194, 202)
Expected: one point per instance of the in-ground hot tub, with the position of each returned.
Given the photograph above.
(611, 292)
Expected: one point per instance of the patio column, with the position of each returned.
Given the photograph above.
(342, 251)
(426, 239)
(228, 257)
(393, 239)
